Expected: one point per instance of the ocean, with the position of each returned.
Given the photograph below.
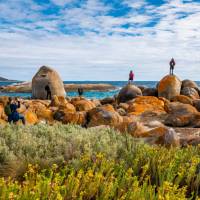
(88, 94)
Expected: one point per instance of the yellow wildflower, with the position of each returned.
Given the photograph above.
(11, 195)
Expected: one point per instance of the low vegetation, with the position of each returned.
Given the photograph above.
(69, 162)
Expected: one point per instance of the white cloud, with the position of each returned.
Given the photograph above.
(108, 54)
(135, 4)
(62, 2)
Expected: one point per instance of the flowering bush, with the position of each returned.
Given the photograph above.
(69, 162)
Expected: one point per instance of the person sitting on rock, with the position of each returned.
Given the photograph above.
(172, 65)
(15, 116)
(131, 76)
(48, 91)
(80, 91)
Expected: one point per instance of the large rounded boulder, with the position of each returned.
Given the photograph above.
(196, 104)
(182, 99)
(190, 92)
(104, 115)
(47, 77)
(169, 87)
(180, 115)
(162, 136)
(75, 118)
(108, 100)
(128, 93)
(150, 92)
(189, 83)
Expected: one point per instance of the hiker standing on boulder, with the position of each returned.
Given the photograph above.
(172, 65)
(131, 77)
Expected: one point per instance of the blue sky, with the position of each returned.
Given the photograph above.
(100, 39)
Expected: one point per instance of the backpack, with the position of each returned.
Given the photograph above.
(7, 110)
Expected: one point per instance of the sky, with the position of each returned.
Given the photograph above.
(100, 39)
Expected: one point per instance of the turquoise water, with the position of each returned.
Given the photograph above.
(89, 94)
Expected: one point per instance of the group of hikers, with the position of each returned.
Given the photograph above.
(130, 80)
(11, 108)
(171, 70)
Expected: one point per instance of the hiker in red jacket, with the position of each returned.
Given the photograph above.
(131, 76)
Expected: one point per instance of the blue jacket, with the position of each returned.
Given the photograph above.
(14, 107)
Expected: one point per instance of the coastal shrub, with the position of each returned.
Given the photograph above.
(70, 162)
(46, 145)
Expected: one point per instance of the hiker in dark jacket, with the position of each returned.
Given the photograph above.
(172, 65)
(14, 115)
(80, 91)
(48, 91)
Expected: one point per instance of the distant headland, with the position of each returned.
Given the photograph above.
(6, 80)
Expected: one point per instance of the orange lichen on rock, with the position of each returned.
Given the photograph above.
(123, 126)
(104, 116)
(108, 107)
(2, 114)
(158, 131)
(83, 105)
(4, 100)
(75, 118)
(182, 99)
(45, 114)
(35, 105)
(169, 87)
(68, 108)
(58, 101)
(146, 103)
(30, 117)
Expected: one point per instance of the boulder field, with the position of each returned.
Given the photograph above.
(163, 118)
(145, 117)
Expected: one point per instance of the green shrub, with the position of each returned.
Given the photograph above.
(128, 169)
(47, 145)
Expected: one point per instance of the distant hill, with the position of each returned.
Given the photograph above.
(5, 79)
